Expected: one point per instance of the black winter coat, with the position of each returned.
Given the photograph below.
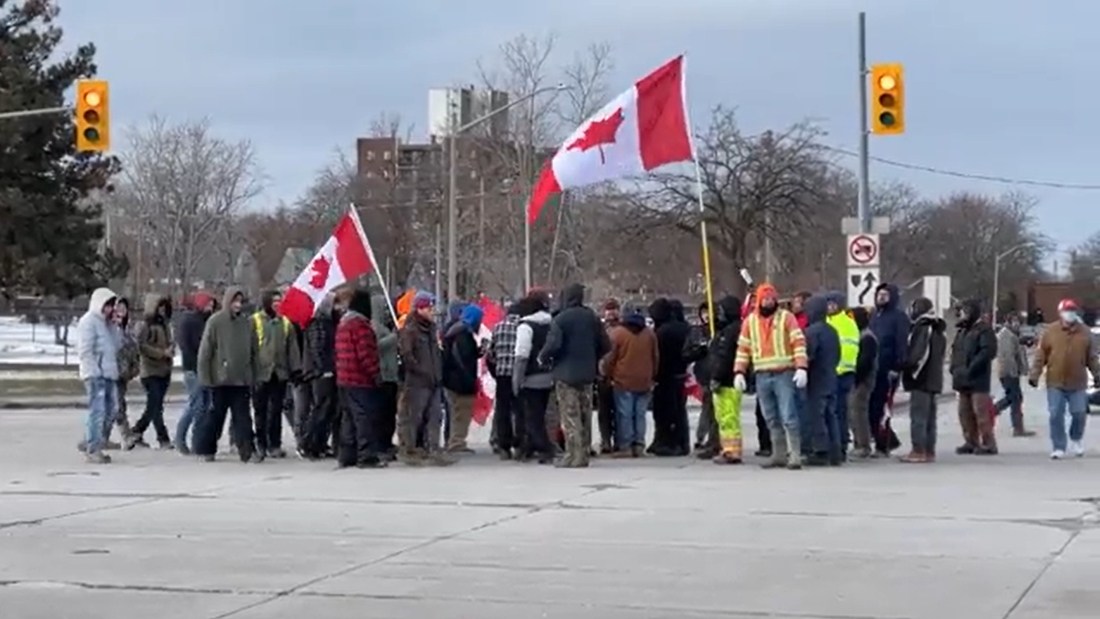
(927, 348)
(972, 355)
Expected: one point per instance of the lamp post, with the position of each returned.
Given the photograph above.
(997, 274)
(452, 184)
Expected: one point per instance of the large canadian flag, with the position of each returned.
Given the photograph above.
(346, 255)
(643, 128)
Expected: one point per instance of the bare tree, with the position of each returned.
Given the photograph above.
(180, 188)
(390, 125)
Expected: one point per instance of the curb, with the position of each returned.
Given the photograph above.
(75, 403)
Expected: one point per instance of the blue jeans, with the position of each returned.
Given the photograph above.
(1058, 400)
(778, 399)
(102, 401)
(198, 402)
(844, 385)
(630, 412)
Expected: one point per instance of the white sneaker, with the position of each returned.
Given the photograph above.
(1057, 454)
(1077, 449)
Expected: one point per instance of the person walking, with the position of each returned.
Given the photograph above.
(631, 368)
(188, 339)
(972, 353)
(158, 351)
(1011, 366)
(923, 377)
(1067, 355)
(97, 350)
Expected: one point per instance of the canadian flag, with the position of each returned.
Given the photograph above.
(346, 255)
(486, 385)
(644, 128)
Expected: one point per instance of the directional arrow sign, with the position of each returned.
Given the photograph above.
(861, 286)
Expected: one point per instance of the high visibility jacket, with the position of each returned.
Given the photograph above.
(258, 320)
(848, 332)
(770, 344)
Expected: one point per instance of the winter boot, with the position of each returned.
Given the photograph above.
(794, 447)
(97, 457)
(779, 449)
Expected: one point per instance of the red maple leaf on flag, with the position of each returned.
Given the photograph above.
(599, 132)
(319, 267)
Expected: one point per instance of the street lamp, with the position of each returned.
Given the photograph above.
(997, 273)
(452, 184)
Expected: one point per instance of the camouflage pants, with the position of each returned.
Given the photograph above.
(575, 408)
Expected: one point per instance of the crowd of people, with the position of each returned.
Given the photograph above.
(368, 386)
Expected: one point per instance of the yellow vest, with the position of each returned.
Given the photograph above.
(258, 319)
(848, 332)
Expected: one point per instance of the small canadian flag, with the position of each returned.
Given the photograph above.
(346, 255)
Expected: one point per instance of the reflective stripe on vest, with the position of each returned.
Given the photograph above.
(848, 332)
(779, 355)
(258, 322)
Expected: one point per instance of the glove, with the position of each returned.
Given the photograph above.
(739, 383)
(1096, 382)
(1034, 382)
(892, 376)
(715, 386)
(800, 378)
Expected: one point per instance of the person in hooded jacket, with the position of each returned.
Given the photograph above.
(97, 350)
(726, 399)
(357, 378)
(820, 427)
(891, 327)
(158, 349)
(228, 365)
(129, 366)
(841, 321)
(532, 380)
(972, 353)
(923, 377)
(279, 363)
(859, 398)
(672, 333)
(419, 421)
(695, 353)
(319, 374)
(385, 329)
(1011, 366)
(460, 375)
(188, 338)
(631, 367)
(574, 346)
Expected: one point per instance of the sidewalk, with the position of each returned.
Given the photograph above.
(72, 401)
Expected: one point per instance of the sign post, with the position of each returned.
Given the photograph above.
(862, 251)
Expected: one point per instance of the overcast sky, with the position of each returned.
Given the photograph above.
(996, 88)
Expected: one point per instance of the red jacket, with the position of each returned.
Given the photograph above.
(356, 352)
(803, 320)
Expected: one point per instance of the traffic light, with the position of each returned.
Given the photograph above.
(887, 99)
(93, 118)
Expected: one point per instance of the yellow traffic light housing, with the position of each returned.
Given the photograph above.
(887, 99)
(93, 118)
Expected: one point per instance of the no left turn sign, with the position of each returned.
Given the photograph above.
(863, 250)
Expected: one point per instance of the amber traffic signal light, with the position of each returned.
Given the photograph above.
(887, 99)
(93, 118)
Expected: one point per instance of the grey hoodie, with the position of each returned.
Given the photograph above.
(97, 342)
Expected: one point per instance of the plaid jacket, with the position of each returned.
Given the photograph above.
(502, 352)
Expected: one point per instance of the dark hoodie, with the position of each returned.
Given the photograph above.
(822, 347)
(319, 352)
(695, 348)
(577, 340)
(972, 351)
(867, 361)
(189, 332)
(461, 353)
(926, 350)
(723, 348)
(891, 326)
(672, 333)
(155, 337)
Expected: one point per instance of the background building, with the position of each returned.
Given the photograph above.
(450, 108)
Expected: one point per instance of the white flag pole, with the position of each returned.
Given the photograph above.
(373, 260)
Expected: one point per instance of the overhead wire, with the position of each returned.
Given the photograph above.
(970, 176)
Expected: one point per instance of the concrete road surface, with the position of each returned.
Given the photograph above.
(159, 535)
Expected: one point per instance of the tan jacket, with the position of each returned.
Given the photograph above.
(1065, 353)
(632, 363)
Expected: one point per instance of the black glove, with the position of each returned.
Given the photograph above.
(1034, 382)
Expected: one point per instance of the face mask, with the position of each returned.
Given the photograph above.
(1068, 317)
(768, 310)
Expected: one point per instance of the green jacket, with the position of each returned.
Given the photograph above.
(155, 339)
(228, 353)
(279, 356)
(387, 339)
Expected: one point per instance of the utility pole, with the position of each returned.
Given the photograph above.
(480, 230)
(438, 263)
(863, 206)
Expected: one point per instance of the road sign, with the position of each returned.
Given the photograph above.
(937, 288)
(861, 286)
(863, 250)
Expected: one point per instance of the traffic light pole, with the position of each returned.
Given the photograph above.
(41, 112)
(863, 212)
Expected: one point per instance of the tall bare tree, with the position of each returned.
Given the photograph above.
(180, 190)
